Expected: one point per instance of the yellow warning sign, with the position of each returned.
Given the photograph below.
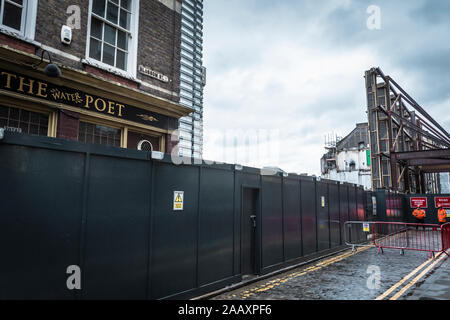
(178, 199)
(366, 227)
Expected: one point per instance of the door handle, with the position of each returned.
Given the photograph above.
(253, 218)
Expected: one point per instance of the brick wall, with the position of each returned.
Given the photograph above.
(68, 123)
(170, 145)
(51, 16)
(110, 76)
(17, 44)
(158, 45)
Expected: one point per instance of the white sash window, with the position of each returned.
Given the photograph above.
(18, 17)
(112, 34)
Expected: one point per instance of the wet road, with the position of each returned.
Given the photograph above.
(363, 275)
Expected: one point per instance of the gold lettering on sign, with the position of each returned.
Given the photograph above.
(59, 94)
(8, 79)
(111, 107)
(103, 103)
(120, 108)
(29, 85)
(89, 100)
(42, 90)
(55, 94)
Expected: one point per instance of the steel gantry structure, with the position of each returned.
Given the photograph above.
(408, 147)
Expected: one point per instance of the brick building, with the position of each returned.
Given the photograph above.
(120, 70)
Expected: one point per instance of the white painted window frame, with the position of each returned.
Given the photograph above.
(131, 71)
(28, 22)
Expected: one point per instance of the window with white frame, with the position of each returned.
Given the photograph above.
(18, 17)
(113, 33)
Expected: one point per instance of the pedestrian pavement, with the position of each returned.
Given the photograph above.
(347, 276)
(435, 286)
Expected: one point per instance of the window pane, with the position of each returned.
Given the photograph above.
(4, 112)
(122, 39)
(98, 7)
(14, 114)
(112, 43)
(23, 127)
(126, 4)
(43, 131)
(81, 135)
(18, 1)
(34, 129)
(95, 49)
(25, 116)
(12, 16)
(97, 139)
(112, 13)
(108, 54)
(34, 118)
(96, 28)
(99, 134)
(121, 62)
(26, 124)
(125, 19)
(43, 120)
(110, 35)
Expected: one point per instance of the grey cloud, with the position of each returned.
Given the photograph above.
(412, 46)
(432, 12)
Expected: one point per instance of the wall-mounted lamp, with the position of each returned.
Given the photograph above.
(51, 70)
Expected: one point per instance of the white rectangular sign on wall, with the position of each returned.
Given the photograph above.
(178, 200)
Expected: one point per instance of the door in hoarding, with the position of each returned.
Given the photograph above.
(250, 207)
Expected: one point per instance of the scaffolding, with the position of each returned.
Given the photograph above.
(408, 147)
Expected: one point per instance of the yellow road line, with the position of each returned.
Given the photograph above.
(276, 282)
(424, 272)
(395, 286)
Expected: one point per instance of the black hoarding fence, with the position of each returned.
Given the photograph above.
(390, 206)
(429, 203)
(138, 228)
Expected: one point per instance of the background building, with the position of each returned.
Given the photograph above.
(348, 159)
(120, 70)
(444, 182)
(192, 78)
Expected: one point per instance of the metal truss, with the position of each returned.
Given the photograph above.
(408, 147)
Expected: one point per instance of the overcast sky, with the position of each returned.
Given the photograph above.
(292, 70)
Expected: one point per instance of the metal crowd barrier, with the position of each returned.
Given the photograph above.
(358, 233)
(445, 231)
(432, 238)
